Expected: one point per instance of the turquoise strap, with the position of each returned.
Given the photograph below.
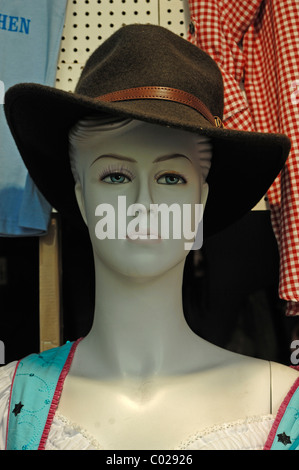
(295, 445)
(287, 434)
(31, 403)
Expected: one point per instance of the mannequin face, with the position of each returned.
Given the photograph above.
(143, 164)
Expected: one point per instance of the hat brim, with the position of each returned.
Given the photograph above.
(244, 164)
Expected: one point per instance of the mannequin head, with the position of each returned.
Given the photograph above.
(125, 163)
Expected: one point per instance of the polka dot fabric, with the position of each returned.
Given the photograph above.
(256, 46)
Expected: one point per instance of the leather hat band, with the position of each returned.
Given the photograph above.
(163, 93)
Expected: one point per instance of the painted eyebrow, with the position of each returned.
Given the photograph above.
(163, 158)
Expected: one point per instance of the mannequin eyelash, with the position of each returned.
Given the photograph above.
(110, 170)
(171, 173)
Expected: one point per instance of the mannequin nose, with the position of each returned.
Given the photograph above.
(144, 199)
(142, 208)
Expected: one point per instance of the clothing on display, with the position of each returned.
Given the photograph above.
(256, 44)
(30, 390)
(140, 354)
(30, 32)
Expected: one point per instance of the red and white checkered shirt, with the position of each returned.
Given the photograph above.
(257, 43)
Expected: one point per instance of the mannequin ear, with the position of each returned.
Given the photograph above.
(80, 200)
(204, 194)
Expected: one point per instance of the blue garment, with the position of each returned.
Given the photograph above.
(30, 34)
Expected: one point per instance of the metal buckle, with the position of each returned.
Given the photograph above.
(218, 122)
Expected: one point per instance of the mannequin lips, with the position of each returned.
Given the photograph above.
(148, 237)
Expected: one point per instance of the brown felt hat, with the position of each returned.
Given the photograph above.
(148, 73)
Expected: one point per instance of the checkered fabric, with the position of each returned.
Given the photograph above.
(256, 45)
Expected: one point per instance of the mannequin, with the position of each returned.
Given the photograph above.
(141, 379)
(140, 360)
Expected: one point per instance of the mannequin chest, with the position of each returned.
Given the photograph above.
(159, 413)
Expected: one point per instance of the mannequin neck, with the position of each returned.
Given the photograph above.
(139, 327)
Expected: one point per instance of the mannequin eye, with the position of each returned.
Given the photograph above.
(116, 174)
(171, 179)
(116, 178)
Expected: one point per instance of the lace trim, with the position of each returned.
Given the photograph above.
(89, 437)
(185, 443)
(221, 427)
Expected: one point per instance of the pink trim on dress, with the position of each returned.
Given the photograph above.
(9, 403)
(280, 414)
(57, 395)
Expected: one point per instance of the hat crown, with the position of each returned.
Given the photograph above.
(148, 55)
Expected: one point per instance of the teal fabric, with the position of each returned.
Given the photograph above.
(32, 395)
(287, 434)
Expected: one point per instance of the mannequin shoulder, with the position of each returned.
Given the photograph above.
(264, 383)
(283, 379)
